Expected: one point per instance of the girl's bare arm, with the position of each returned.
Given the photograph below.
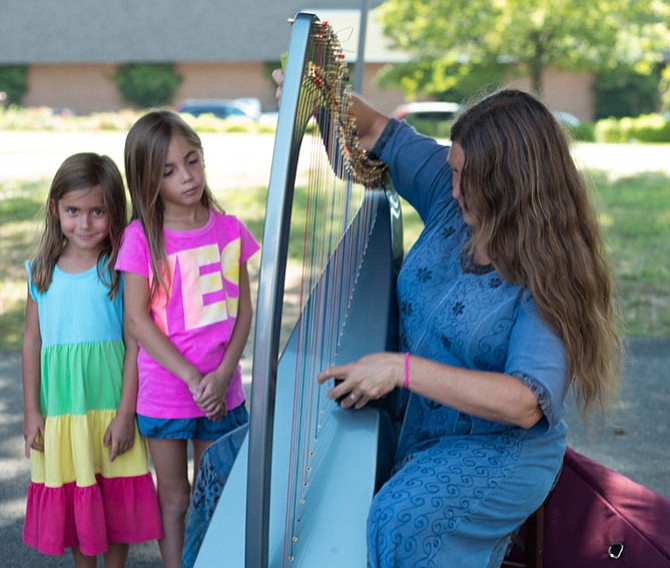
(120, 434)
(33, 421)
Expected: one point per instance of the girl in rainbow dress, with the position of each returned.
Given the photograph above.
(90, 489)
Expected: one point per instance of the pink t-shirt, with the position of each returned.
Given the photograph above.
(199, 313)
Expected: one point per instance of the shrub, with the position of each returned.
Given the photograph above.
(147, 84)
(649, 128)
(664, 87)
(607, 130)
(14, 82)
(626, 92)
(584, 132)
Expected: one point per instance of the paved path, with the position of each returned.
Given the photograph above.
(634, 439)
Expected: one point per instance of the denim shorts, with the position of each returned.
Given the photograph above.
(200, 428)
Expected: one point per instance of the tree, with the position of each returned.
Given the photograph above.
(665, 89)
(626, 92)
(458, 35)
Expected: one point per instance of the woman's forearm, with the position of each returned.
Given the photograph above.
(370, 122)
(492, 396)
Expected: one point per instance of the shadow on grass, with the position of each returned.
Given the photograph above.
(21, 214)
(634, 212)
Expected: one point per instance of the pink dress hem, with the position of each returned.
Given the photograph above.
(115, 510)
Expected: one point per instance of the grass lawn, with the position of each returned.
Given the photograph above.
(634, 213)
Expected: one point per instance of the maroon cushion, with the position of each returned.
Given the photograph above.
(597, 517)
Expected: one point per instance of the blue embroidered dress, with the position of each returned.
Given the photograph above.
(461, 484)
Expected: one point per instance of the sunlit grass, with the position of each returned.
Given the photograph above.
(637, 236)
(634, 213)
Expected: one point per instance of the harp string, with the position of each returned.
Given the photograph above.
(335, 204)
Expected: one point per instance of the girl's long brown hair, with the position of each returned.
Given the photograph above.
(534, 218)
(82, 171)
(145, 156)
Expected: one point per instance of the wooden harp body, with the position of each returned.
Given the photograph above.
(301, 487)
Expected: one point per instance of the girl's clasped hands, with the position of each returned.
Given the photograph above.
(209, 393)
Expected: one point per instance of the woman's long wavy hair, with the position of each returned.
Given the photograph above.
(145, 155)
(534, 218)
(85, 170)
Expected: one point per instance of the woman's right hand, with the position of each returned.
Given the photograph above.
(278, 77)
(33, 432)
(369, 378)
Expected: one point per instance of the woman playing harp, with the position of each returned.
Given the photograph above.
(505, 304)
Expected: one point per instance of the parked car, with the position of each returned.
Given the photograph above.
(221, 108)
(433, 118)
(567, 119)
(426, 110)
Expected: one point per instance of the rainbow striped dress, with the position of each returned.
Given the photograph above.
(76, 496)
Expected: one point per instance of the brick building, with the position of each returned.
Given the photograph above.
(222, 49)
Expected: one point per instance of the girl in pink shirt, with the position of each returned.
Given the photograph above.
(188, 304)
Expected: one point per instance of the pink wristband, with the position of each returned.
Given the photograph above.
(406, 383)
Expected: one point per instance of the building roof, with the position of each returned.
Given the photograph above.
(95, 31)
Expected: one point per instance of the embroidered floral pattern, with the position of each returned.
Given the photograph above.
(448, 232)
(424, 274)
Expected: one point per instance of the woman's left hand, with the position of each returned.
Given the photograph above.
(369, 378)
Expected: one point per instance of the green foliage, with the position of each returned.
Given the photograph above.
(442, 79)
(649, 128)
(585, 132)
(625, 92)
(14, 82)
(43, 118)
(233, 124)
(664, 88)
(147, 84)
(527, 34)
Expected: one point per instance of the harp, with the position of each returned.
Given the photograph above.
(299, 491)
